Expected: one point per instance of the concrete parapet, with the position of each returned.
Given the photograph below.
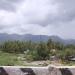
(49, 70)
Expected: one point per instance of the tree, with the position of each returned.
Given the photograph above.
(42, 51)
(66, 54)
(49, 44)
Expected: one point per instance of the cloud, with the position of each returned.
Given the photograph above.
(29, 12)
(67, 10)
(46, 17)
(8, 4)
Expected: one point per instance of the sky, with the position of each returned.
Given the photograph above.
(38, 17)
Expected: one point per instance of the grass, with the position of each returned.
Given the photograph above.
(8, 59)
(70, 63)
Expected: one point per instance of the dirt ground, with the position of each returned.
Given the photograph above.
(42, 63)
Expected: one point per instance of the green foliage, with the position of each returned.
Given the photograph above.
(66, 54)
(42, 51)
(39, 50)
(12, 47)
(7, 59)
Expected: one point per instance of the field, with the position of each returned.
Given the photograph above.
(10, 59)
(7, 59)
(28, 53)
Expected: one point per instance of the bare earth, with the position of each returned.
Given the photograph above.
(42, 63)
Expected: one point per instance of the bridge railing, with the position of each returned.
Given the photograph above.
(49, 70)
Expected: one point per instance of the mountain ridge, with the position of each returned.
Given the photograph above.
(25, 37)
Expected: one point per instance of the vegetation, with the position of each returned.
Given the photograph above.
(32, 51)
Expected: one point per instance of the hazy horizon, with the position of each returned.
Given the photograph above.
(57, 36)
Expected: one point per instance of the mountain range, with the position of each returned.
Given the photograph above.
(34, 38)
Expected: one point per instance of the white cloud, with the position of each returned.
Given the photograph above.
(45, 17)
(28, 12)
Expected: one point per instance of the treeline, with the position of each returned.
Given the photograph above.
(39, 50)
